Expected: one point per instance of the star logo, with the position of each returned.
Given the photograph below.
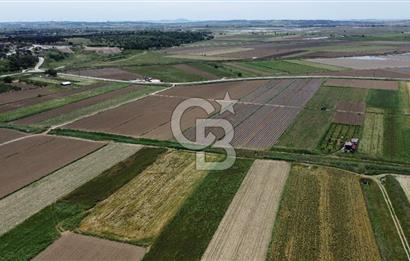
(227, 104)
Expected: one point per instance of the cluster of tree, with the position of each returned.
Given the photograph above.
(6, 86)
(18, 62)
(148, 39)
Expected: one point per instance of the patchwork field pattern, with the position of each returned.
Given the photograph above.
(373, 134)
(337, 135)
(25, 161)
(20, 205)
(140, 210)
(333, 224)
(71, 246)
(245, 231)
(366, 84)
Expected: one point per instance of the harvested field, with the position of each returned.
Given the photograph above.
(139, 210)
(71, 246)
(333, 224)
(24, 203)
(133, 119)
(373, 133)
(337, 135)
(366, 84)
(193, 70)
(245, 231)
(103, 50)
(25, 161)
(348, 118)
(108, 73)
(358, 107)
(405, 184)
(405, 96)
(43, 116)
(368, 62)
(8, 135)
(236, 90)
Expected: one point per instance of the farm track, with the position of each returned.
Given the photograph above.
(245, 231)
(396, 221)
(19, 206)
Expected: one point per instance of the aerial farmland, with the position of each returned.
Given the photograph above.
(318, 117)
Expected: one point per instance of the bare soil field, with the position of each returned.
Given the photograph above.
(373, 133)
(19, 206)
(135, 120)
(236, 90)
(206, 50)
(71, 246)
(368, 62)
(140, 209)
(322, 216)
(367, 84)
(14, 100)
(193, 70)
(37, 118)
(108, 73)
(246, 229)
(8, 135)
(348, 118)
(103, 50)
(25, 161)
(351, 106)
(405, 184)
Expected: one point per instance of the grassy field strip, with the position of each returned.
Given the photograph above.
(19, 206)
(405, 184)
(405, 96)
(373, 133)
(77, 114)
(387, 236)
(324, 67)
(139, 211)
(245, 231)
(322, 216)
(195, 224)
(48, 105)
(56, 81)
(395, 219)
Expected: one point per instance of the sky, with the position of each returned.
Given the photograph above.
(143, 10)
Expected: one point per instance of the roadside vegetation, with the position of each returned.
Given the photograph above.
(400, 202)
(28, 239)
(194, 225)
(388, 240)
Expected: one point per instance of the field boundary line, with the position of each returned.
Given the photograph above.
(393, 215)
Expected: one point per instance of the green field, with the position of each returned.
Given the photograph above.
(328, 97)
(388, 241)
(32, 236)
(167, 73)
(337, 135)
(48, 105)
(56, 81)
(194, 225)
(307, 131)
(400, 203)
(323, 67)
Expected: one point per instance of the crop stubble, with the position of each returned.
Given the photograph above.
(245, 231)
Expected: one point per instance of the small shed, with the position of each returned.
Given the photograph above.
(65, 84)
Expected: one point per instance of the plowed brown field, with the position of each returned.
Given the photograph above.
(245, 231)
(25, 161)
(193, 70)
(367, 84)
(8, 135)
(348, 118)
(72, 246)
